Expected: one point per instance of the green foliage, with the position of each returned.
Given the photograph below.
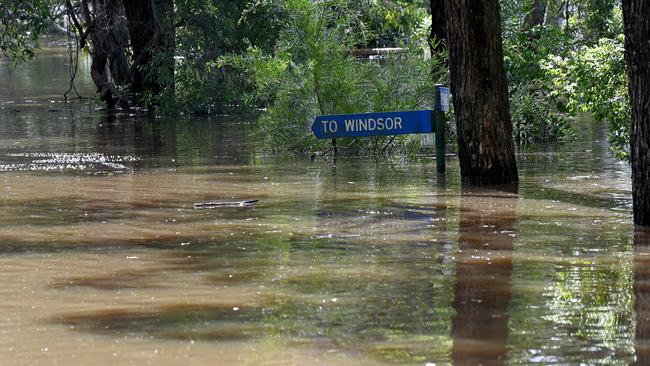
(21, 23)
(294, 59)
(594, 19)
(533, 118)
(525, 51)
(312, 72)
(563, 67)
(594, 79)
(392, 23)
(208, 31)
(215, 34)
(159, 70)
(263, 72)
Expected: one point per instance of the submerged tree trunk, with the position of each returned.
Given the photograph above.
(151, 39)
(636, 16)
(143, 31)
(151, 32)
(167, 43)
(479, 87)
(109, 68)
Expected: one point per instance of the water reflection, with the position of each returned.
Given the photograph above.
(642, 292)
(483, 277)
(93, 143)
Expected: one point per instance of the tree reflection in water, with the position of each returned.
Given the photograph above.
(642, 292)
(483, 277)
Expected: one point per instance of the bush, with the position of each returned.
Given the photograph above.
(594, 79)
(312, 72)
(533, 118)
(208, 31)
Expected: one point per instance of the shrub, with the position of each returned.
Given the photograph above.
(312, 72)
(594, 79)
(534, 120)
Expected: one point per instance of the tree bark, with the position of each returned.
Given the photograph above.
(166, 40)
(479, 87)
(636, 17)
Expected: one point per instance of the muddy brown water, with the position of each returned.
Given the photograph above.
(105, 260)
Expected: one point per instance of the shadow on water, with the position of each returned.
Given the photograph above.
(124, 279)
(207, 322)
(533, 191)
(483, 277)
(396, 308)
(395, 311)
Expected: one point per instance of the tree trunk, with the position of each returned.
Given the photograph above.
(166, 42)
(109, 68)
(636, 16)
(556, 12)
(151, 32)
(438, 38)
(142, 33)
(536, 16)
(480, 91)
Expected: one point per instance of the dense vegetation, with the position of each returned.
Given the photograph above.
(294, 59)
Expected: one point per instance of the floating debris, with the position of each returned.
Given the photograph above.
(335, 236)
(216, 204)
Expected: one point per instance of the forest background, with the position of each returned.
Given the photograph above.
(290, 60)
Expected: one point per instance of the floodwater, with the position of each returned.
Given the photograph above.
(104, 260)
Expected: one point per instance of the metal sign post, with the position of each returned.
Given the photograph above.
(441, 105)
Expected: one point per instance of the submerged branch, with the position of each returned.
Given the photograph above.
(392, 138)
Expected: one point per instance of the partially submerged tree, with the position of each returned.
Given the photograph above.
(636, 15)
(478, 83)
(103, 25)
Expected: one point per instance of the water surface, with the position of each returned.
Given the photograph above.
(105, 260)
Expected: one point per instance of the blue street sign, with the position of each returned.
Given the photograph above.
(372, 124)
(444, 98)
